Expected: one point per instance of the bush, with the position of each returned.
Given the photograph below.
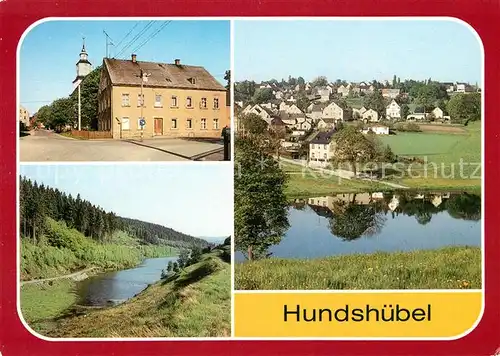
(408, 127)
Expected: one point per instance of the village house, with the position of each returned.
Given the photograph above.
(358, 112)
(263, 112)
(279, 95)
(437, 113)
(315, 111)
(370, 115)
(302, 123)
(390, 93)
(450, 87)
(24, 116)
(326, 124)
(334, 111)
(393, 110)
(277, 125)
(321, 148)
(293, 109)
(344, 90)
(323, 93)
(177, 100)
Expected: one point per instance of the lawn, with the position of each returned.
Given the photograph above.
(41, 302)
(446, 268)
(443, 152)
(304, 181)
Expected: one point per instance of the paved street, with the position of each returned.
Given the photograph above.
(44, 145)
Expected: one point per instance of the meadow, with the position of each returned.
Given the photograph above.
(445, 268)
(443, 150)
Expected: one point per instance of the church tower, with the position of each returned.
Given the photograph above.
(83, 67)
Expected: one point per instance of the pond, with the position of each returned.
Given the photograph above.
(345, 224)
(111, 288)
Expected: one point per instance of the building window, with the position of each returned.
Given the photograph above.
(125, 123)
(158, 101)
(125, 100)
(312, 155)
(216, 103)
(140, 99)
(203, 124)
(324, 155)
(189, 102)
(216, 124)
(174, 123)
(203, 103)
(174, 101)
(189, 123)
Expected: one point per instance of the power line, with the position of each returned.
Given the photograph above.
(129, 32)
(136, 37)
(151, 36)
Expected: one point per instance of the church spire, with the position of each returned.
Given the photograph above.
(83, 47)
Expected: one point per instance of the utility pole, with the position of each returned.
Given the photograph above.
(109, 42)
(79, 108)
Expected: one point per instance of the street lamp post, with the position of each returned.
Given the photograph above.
(144, 78)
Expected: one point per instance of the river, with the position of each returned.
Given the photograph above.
(110, 288)
(345, 224)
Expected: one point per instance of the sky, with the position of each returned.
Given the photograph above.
(356, 50)
(196, 199)
(49, 52)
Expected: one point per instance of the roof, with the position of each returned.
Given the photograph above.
(162, 75)
(323, 137)
(276, 121)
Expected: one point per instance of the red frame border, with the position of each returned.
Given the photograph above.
(17, 15)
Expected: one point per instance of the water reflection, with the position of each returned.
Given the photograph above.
(370, 222)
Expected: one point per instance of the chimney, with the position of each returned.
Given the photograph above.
(177, 62)
(134, 58)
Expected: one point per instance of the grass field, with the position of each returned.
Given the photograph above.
(445, 150)
(42, 302)
(446, 268)
(194, 303)
(307, 182)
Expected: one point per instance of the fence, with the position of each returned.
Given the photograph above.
(92, 135)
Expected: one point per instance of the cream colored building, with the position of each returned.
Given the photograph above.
(393, 110)
(333, 111)
(24, 116)
(370, 115)
(177, 100)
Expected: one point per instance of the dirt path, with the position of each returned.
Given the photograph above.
(75, 275)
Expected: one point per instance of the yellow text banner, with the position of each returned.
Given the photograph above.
(437, 314)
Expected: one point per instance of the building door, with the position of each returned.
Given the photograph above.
(158, 126)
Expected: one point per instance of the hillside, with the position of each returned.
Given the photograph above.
(37, 202)
(158, 234)
(195, 302)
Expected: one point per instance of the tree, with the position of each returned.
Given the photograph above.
(376, 102)
(253, 124)
(263, 95)
(320, 81)
(464, 107)
(195, 255)
(405, 111)
(183, 258)
(394, 81)
(244, 91)
(170, 266)
(353, 147)
(292, 81)
(89, 89)
(261, 207)
(175, 267)
(44, 115)
(301, 81)
(63, 112)
(302, 101)
(227, 77)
